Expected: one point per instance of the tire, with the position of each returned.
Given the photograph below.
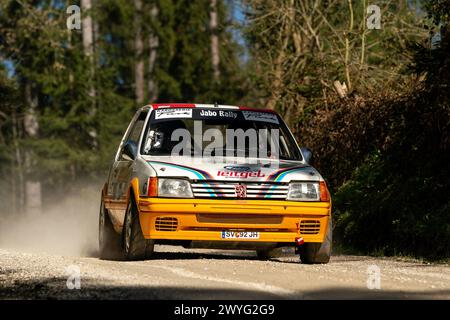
(135, 246)
(316, 253)
(109, 241)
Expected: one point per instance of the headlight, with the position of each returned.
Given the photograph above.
(304, 191)
(174, 188)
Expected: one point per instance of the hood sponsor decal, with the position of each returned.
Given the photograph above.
(233, 172)
(237, 168)
(240, 172)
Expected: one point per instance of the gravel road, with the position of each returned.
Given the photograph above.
(177, 273)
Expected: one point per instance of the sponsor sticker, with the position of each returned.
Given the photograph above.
(260, 116)
(243, 172)
(237, 168)
(218, 113)
(173, 113)
(240, 174)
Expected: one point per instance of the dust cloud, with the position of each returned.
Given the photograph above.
(68, 227)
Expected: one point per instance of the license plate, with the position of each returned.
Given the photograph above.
(240, 235)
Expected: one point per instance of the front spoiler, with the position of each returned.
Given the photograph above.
(204, 219)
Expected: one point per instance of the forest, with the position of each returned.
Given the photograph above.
(365, 84)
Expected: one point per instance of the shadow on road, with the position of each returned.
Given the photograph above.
(239, 255)
(55, 288)
(290, 258)
(225, 255)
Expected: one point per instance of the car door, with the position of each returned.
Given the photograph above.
(122, 169)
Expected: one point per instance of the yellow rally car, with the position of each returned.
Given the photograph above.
(213, 176)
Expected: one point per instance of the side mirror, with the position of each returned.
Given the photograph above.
(130, 150)
(307, 154)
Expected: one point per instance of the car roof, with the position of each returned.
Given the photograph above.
(155, 106)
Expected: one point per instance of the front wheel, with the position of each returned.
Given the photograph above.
(135, 246)
(108, 239)
(314, 253)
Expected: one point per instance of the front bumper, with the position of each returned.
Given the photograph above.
(205, 219)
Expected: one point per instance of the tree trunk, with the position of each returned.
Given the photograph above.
(33, 197)
(88, 46)
(96, 33)
(153, 43)
(18, 175)
(347, 46)
(285, 34)
(215, 58)
(88, 29)
(139, 50)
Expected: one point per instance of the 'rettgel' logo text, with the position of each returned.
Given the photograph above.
(240, 174)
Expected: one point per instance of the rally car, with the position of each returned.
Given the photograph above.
(213, 176)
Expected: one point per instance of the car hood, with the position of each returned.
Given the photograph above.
(233, 170)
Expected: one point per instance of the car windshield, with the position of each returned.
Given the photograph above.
(214, 132)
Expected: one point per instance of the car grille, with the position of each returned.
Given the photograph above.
(166, 224)
(227, 190)
(309, 226)
(236, 219)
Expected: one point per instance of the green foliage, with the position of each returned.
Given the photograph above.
(380, 210)
(387, 159)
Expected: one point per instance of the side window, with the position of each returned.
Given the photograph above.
(136, 130)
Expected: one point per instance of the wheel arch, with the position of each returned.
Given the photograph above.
(133, 191)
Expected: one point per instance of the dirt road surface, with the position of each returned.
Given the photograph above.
(177, 273)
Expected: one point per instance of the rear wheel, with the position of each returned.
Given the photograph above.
(135, 246)
(314, 253)
(108, 239)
